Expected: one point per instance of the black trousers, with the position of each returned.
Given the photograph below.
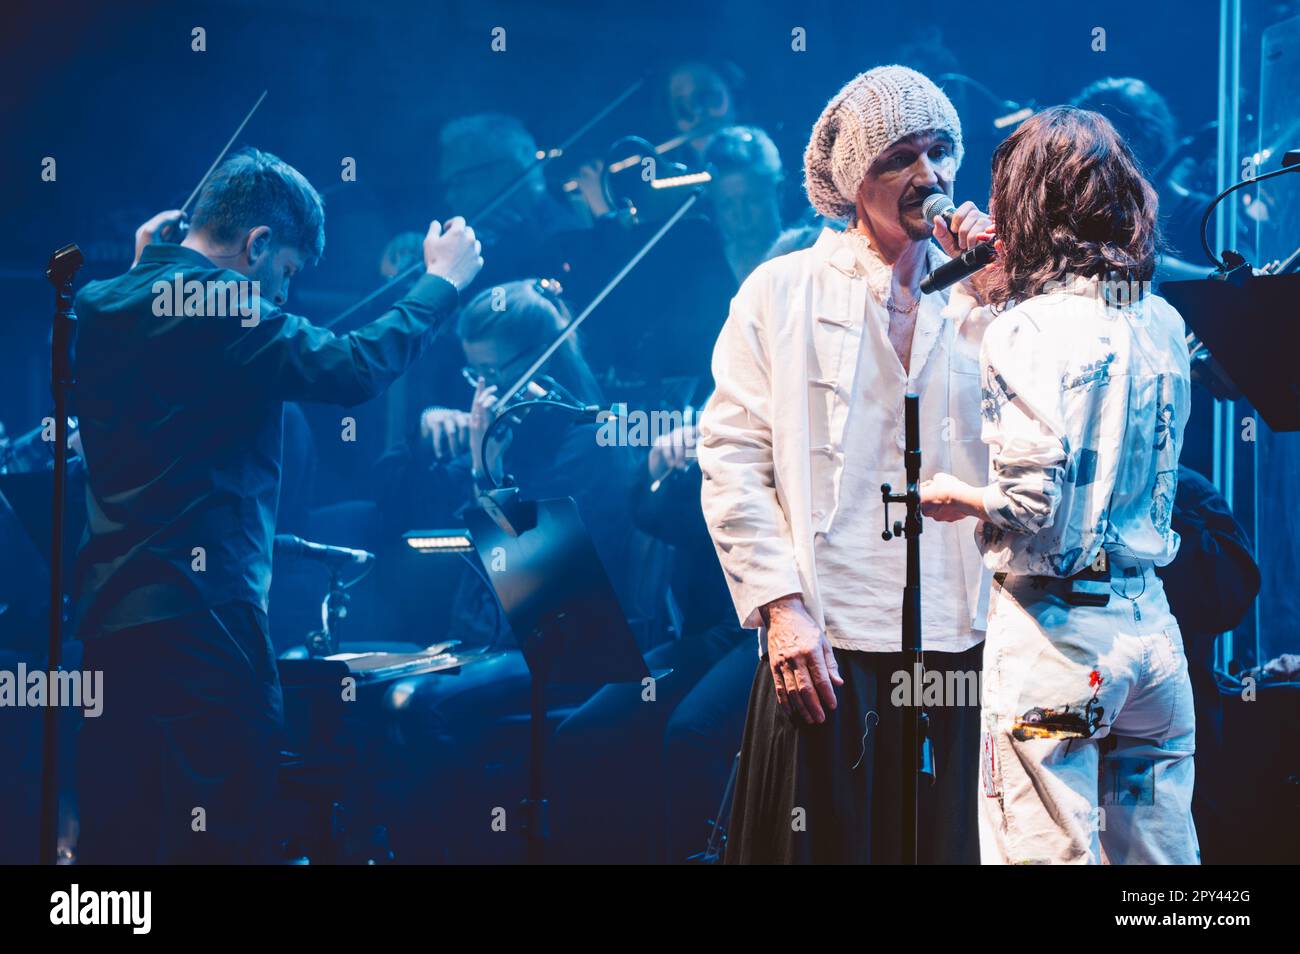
(180, 766)
(622, 763)
(831, 793)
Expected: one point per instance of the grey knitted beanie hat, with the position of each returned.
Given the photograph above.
(871, 113)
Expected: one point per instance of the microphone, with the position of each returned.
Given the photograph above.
(964, 265)
(286, 544)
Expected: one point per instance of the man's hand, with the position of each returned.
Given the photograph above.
(969, 228)
(672, 451)
(145, 234)
(453, 254)
(947, 499)
(447, 430)
(802, 663)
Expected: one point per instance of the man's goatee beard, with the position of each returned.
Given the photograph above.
(917, 232)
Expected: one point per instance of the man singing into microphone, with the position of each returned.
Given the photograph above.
(806, 423)
(180, 408)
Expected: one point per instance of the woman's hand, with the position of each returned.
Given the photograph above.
(947, 499)
(480, 418)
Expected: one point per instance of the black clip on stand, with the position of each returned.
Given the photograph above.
(60, 271)
(918, 758)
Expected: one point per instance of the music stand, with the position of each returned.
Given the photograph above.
(540, 561)
(1245, 325)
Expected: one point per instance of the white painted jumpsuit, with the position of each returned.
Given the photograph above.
(1088, 734)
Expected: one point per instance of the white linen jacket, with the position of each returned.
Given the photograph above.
(771, 435)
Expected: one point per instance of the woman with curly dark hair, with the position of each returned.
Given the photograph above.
(1088, 727)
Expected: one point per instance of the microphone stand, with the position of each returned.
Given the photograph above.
(1232, 262)
(333, 610)
(60, 271)
(917, 757)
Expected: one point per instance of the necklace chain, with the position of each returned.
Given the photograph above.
(909, 310)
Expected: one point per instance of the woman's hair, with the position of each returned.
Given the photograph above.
(1068, 198)
(525, 316)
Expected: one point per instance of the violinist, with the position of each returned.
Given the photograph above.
(546, 452)
(701, 98)
(180, 419)
(693, 99)
(482, 155)
(745, 195)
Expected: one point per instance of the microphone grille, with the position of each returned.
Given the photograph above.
(936, 204)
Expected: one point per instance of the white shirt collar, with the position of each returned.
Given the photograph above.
(854, 255)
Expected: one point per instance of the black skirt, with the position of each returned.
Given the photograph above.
(831, 793)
